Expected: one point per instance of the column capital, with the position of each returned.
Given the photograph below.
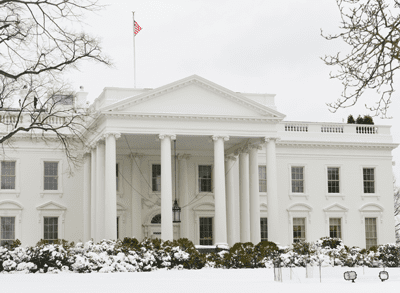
(268, 139)
(257, 146)
(116, 134)
(216, 137)
(242, 150)
(230, 157)
(164, 135)
(184, 157)
(132, 156)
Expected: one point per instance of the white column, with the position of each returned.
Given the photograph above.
(255, 234)
(100, 203)
(86, 197)
(93, 176)
(184, 195)
(136, 203)
(219, 191)
(230, 202)
(244, 190)
(110, 198)
(167, 232)
(272, 191)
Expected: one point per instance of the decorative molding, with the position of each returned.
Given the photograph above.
(162, 136)
(216, 137)
(230, 157)
(271, 138)
(115, 134)
(339, 145)
(184, 157)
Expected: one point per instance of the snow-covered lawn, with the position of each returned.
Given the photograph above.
(204, 280)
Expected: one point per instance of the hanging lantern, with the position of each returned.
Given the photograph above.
(176, 212)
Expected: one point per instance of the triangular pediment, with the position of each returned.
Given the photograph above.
(336, 208)
(51, 205)
(193, 96)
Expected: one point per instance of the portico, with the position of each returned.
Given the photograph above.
(207, 134)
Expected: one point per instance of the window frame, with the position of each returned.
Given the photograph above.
(305, 229)
(15, 191)
(199, 179)
(299, 210)
(151, 177)
(340, 226)
(51, 209)
(259, 179)
(120, 185)
(44, 229)
(261, 230)
(376, 231)
(15, 226)
(341, 186)
(196, 177)
(305, 185)
(212, 230)
(336, 210)
(10, 208)
(201, 210)
(376, 171)
(372, 210)
(59, 191)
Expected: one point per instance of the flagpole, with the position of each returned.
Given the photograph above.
(134, 52)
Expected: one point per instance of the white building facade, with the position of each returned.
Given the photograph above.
(239, 172)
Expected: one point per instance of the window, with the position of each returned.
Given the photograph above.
(333, 180)
(264, 229)
(156, 177)
(369, 180)
(298, 179)
(205, 178)
(116, 176)
(206, 231)
(262, 177)
(50, 229)
(335, 227)
(7, 230)
(7, 175)
(50, 176)
(371, 238)
(117, 227)
(299, 229)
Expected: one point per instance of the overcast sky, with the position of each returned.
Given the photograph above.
(256, 46)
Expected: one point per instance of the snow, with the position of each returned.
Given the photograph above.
(205, 280)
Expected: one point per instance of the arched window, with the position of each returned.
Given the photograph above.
(156, 219)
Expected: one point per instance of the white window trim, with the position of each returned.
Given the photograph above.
(17, 190)
(336, 211)
(120, 190)
(299, 210)
(372, 210)
(203, 210)
(121, 213)
(262, 192)
(59, 191)
(197, 178)
(51, 209)
(263, 211)
(151, 163)
(369, 195)
(298, 194)
(10, 208)
(333, 195)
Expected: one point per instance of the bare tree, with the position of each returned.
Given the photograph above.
(371, 28)
(40, 36)
(397, 212)
(39, 40)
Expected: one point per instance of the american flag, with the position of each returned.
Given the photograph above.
(137, 28)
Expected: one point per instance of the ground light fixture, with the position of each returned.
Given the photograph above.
(383, 275)
(350, 276)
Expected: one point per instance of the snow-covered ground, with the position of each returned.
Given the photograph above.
(205, 280)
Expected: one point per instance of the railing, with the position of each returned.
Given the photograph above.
(334, 128)
(10, 118)
(296, 127)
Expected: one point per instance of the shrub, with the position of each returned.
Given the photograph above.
(350, 119)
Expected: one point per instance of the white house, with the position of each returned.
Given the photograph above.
(238, 171)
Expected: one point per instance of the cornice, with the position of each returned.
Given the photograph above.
(129, 115)
(341, 145)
